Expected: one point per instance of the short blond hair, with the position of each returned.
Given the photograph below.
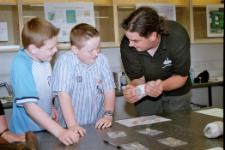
(81, 33)
(37, 31)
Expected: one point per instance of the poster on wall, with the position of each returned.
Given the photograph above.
(215, 20)
(4, 31)
(68, 14)
(168, 11)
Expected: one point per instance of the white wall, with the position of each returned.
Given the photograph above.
(208, 57)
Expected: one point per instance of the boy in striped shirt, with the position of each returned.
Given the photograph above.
(83, 82)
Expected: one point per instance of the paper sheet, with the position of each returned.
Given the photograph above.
(216, 148)
(142, 120)
(216, 112)
(68, 14)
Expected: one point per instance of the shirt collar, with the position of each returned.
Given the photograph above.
(153, 50)
(78, 62)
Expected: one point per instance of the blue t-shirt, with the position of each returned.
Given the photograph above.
(31, 83)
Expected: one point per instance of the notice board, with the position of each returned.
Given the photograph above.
(65, 15)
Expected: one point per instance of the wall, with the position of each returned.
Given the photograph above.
(208, 57)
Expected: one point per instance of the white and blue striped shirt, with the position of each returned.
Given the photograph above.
(85, 84)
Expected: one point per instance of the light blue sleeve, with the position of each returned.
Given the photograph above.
(24, 88)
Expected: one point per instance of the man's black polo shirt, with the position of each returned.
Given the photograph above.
(171, 58)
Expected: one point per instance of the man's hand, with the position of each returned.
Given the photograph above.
(154, 88)
(129, 94)
(104, 122)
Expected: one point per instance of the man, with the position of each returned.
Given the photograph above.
(156, 54)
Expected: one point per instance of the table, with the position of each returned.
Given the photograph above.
(186, 126)
(209, 86)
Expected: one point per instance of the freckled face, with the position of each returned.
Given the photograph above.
(46, 52)
(89, 52)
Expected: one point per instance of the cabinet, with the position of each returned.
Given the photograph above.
(109, 15)
(9, 14)
(103, 18)
(198, 22)
(7, 2)
(18, 12)
(124, 8)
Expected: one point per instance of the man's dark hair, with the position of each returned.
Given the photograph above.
(145, 20)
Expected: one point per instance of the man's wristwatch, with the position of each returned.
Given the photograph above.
(108, 113)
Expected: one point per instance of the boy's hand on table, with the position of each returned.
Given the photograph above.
(78, 129)
(69, 137)
(104, 122)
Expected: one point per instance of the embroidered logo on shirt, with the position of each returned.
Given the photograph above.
(99, 89)
(79, 78)
(49, 81)
(99, 81)
(167, 62)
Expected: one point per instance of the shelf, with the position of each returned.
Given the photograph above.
(109, 15)
(208, 41)
(33, 2)
(9, 48)
(9, 14)
(182, 16)
(41, 2)
(103, 2)
(199, 24)
(204, 3)
(63, 46)
(7, 2)
(104, 17)
(123, 13)
(108, 44)
(66, 46)
(30, 12)
(60, 46)
(105, 23)
(178, 3)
